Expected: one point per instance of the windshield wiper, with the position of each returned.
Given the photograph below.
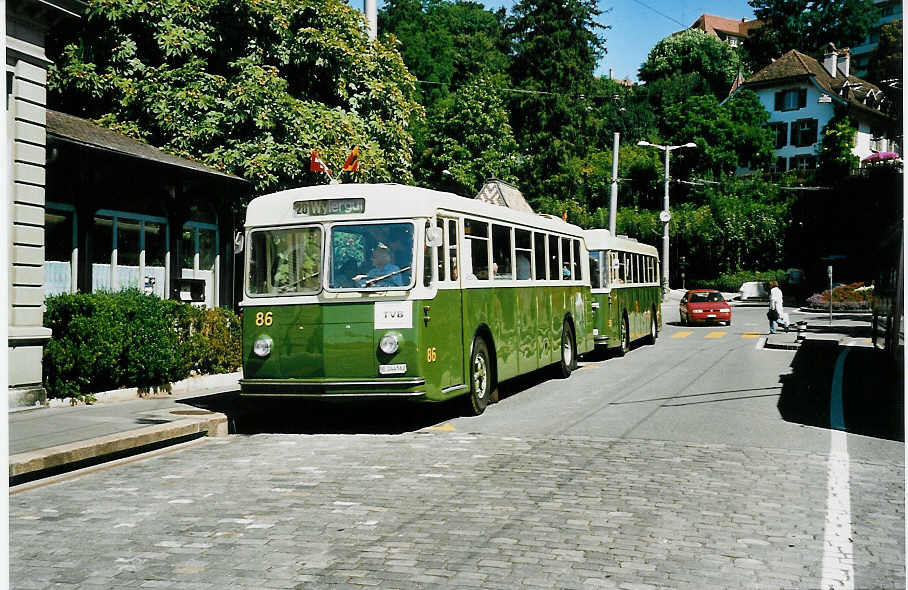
(285, 288)
(383, 277)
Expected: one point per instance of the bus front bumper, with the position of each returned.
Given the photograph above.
(405, 387)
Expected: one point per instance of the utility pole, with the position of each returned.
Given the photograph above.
(369, 7)
(613, 204)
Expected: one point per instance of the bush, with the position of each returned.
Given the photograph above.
(731, 282)
(104, 341)
(844, 298)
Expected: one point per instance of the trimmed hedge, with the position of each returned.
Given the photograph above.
(731, 282)
(104, 341)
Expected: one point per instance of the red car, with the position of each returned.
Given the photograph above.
(704, 306)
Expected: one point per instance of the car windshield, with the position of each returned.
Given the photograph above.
(285, 261)
(705, 297)
(371, 256)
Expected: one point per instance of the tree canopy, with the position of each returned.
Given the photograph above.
(808, 25)
(694, 52)
(246, 86)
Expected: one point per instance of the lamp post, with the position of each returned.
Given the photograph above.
(665, 216)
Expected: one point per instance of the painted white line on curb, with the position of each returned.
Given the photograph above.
(761, 343)
(838, 547)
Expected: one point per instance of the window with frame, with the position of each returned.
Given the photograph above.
(566, 274)
(452, 248)
(780, 133)
(501, 253)
(804, 132)
(791, 100)
(554, 267)
(59, 246)
(476, 243)
(539, 256)
(804, 162)
(523, 248)
(577, 272)
(596, 270)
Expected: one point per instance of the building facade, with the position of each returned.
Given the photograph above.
(27, 24)
(90, 209)
(802, 95)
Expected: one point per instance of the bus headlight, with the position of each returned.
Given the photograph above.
(389, 343)
(262, 346)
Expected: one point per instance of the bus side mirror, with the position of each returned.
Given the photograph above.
(238, 242)
(434, 237)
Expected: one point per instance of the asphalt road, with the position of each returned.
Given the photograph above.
(702, 461)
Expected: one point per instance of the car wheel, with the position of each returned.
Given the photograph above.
(625, 338)
(568, 350)
(480, 379)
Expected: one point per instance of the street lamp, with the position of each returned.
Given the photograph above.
(665, 216)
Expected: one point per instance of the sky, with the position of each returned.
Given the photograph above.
(637, 25)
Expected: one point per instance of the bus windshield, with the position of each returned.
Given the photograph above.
(371, 256)
(285, 261)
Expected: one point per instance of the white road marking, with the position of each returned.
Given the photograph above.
(838, 547)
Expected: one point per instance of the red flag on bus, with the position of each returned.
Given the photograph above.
(317, 165)
(352, 162)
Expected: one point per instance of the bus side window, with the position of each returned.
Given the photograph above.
(594, 270)
(576, 273)
(452, 247)
(539, 255)
(501, 252)
(442, 275)
(427, 262)
(476, 238)
(566, 273)
(523, 248)
(554, 267)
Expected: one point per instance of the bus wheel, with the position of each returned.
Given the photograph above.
(651, 339)
(625, 337)
(480, 378)
(568, 350)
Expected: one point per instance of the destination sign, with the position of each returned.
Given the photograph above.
(329, 207)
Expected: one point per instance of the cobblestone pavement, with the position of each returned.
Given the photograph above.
(448, 509)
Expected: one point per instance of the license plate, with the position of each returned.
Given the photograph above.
(398, 369)
(712, 315)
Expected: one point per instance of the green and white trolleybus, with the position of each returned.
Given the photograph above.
(390, 290)
(624, 276)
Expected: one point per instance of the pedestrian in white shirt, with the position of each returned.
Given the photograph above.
(776, 313)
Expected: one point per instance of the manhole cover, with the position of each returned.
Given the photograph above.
(190, 412)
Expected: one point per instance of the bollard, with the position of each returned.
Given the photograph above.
(802, 327)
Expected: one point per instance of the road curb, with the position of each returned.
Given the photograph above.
(91, 450)
(190, 385)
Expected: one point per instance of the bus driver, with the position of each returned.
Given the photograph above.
(383, 272)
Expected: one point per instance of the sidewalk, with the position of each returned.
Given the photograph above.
(51, 440)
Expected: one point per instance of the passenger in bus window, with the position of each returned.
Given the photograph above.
(523, 266)
(566, 271)
(383, 273)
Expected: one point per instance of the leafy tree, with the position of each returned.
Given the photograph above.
(555, 48)
(662, 93)
(728, 135)
(470, 141)
(245, 86)
(445, 44)
(694, 52)
(808, 25)
(836, 159)
(886, 62)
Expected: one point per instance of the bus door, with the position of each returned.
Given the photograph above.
(447, 309)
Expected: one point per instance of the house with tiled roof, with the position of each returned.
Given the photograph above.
(730, 30)
(801, 95)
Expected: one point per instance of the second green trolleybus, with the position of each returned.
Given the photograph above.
(627, 297)
(398, 291)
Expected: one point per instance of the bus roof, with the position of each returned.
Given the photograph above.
(602, 239)
(387, 201)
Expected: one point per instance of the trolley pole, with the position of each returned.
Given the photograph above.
(613, 204)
